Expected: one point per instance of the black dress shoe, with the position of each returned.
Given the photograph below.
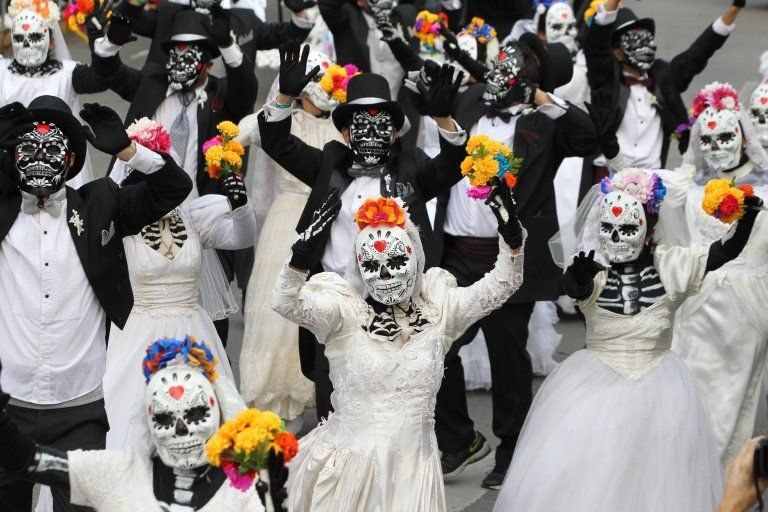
(495, 478)
(454, 463)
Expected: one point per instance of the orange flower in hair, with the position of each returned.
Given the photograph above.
(381, 211)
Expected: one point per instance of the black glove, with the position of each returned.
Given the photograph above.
(753, 203)
(106, 133)
(293, 78)
(308, 249)
(739, 3)
(299, 5)
(119, 31)
(15, 121)
(451, 48)
(522, 91)
(387, 28)
(437, 100)
(96, 22)
(278, 477)
(220, 27)
(578, 279)
(235, 189)
(607, 120)
(502, 201)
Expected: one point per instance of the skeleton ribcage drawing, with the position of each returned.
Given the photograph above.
(630, 292)
(166, 236)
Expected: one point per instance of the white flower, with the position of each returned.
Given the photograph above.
(140, 125)
(728, 102)
(654, 101)
(202, 98)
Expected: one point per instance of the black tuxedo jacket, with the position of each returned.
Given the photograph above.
(229, 99)
(542, 143)
(251, 33)
(108, 213)
(670, 78)
(412, 175)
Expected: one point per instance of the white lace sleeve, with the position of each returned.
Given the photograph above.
(221, 228)
(95, 475)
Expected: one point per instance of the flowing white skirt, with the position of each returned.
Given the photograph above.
(595, 441)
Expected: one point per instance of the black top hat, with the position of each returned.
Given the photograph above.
(367, 91)
(191, 27)
(627, 20)
(54, 110)
(555, 61)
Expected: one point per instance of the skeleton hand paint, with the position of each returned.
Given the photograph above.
(185, 64)
(720, 139)
(639, 47)
(560, 26)
(30, 39)
(387, 264)
(41, 159)
(370, 136)
(505, 85)
(623, 227)
(183, 415)
(758, 112)
(308, 249)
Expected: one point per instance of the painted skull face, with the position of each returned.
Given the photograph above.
(205, 5)
(370, 136)
(758, 112)
(503, 76)
(183, 415)
(41, 159)
(30, 39)
(381, 7)
(622, 227)
(560, 26)
(720, 139)
(639, 47)
(387, 263)
(185, 63)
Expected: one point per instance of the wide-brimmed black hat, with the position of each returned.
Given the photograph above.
(191, 27)
(555, 61)
(364, 92)
(54, 110)
(627, 20)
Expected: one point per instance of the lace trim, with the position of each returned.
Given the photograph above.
(47, 68)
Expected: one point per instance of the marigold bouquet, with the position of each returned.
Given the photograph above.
(150, 134)
(335, 80)
(481, 30)
(725, 201)
(76, 13)
(427, 28)
(222, 153)
(488, 159)
(241, 447)
(383, 210)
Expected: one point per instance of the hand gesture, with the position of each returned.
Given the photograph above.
(235, 189)
(502, 203)
(522, 91)
(584, 267)
(388, 30)
(309, 248)
(293, 77)
(437, 99)
(607, 120)
(97, 20)
(220, 27)
(299, 5)
(106, 132)
(119, 31)
(15, 121)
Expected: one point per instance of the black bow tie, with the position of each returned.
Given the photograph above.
(495, 114)
(644, 80)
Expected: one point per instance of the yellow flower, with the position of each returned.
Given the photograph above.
(714, 192)
(466, 165)
(214, 155)
(475, 141)
(232, 158)
(250, 440)
(235, 147)
(228, 129)
(269, 421)
(340, 95)
(215, 447)
(228, 430)
(326, 82)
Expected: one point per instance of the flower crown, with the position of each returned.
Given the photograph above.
(481, 30)
(336, 79)
(167, 351)
(47, 10)
(427, 27)
(647, 188)
(542, 5)
(591, 11)
(385, 211)
(716, 95)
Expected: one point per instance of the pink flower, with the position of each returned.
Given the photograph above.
(215, 141)
(479, 192)
(238, 481)
(149, 134)
(634, 182)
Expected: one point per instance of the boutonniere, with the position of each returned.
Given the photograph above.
(653, 100)
(77, 222)
(202, 98)
(527, 110)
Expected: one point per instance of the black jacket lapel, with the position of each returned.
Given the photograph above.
(10, 205)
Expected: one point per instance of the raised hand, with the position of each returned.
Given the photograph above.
(607, 120)
(97, 20)
(235, 189)
(106, 132)
(451, 48)
(15, 121)
(308, 249)
(522, 91)
(502, 203)
(299, 5)
(578, 280)
(293, 76)
(119, 31)
(220, 27)
(437, 99)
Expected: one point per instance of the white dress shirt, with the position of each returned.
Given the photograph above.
(383, 61)
(51, 323)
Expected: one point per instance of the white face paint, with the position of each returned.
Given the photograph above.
(560, 26)
(183, 415)
(721, 138)
(622, 227)
(313, 90)
(387, 263)
(31, 39)
(758, 112)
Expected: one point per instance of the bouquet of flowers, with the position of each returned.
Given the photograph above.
(488, 159)
(242, 446)
(384, 210)
(648, 188)
(427, 28)
(725, 201)
(222, 153)
(335, 80)
(481, 30)
(150, 134)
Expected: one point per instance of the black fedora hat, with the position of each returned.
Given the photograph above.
(368, 91)
(51, 109)
(555, 62)
(627, 20)
(191, 27)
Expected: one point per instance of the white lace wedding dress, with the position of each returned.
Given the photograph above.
(619, 425)
(378, 452)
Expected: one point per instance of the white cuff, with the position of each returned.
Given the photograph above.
(457, 138)
(301, 22)
(451, 5)
(553, 111)
(273, 113)
(232, 55)
(242, 211)
(721, 28)
(145, 160)
(604, 17)
(103, 47)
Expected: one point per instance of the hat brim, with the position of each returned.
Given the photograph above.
(342, 114)
(545, 60)
(646, 23)
(207, 44)
(72, 128)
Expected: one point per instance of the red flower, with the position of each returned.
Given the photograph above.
(729, 206)
(511, 180)
(288, 445)
(748, 190)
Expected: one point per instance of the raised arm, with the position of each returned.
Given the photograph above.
(601, 63)
(579, 277)
(334, 14)
(107, 65)
(143, 21)
(270, 35)
(731, 245)
(225, 222)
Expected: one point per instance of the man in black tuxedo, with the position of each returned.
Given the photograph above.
(515, 108)
(368, 167)
(636, 98)
(63, 274)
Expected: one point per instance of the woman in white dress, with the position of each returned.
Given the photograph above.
(619, 425)
(378, 451)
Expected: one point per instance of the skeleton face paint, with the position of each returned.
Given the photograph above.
(41, 159)
(507, 67)
(183, 415)
(758, 111)
(370, 136)
(720, 139)
(31, 39)
(639, 47)
(205, 4)
(387, 264)
(560, 26)
(185, 63)
(381, 7)
(622, 227)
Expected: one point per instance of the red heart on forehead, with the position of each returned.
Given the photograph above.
(617, 210)
(211, 401)
(712, 125)
(502, 55)
(43, 128)
(176, 392)
(408, 248)
(564, 15)
(380, 245)
(373, 111)
(25, 27)
(763, 100)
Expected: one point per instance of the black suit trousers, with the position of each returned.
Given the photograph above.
(506, 336)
